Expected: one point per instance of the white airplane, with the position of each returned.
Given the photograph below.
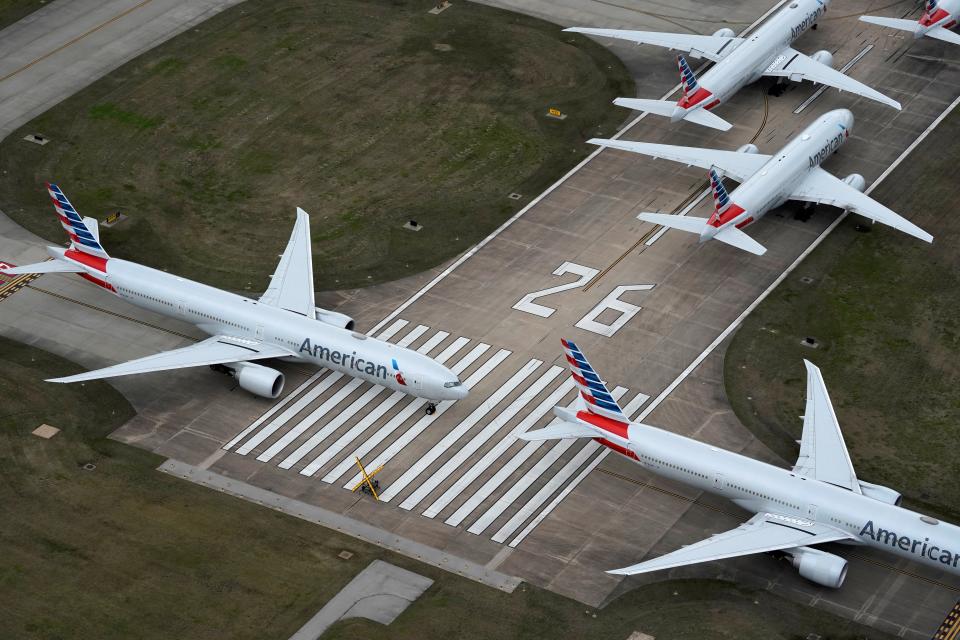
(819, 500)
(767, 182)
(938, 16)
(283, 323)
(739, 62)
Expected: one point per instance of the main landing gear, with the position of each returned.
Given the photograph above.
(431, 409)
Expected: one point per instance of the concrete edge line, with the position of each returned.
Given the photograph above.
(343, 524)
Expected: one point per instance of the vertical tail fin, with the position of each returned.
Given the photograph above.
(84, 234)
(931, 6)
(687, 78)
(593, 391)
(721, 199)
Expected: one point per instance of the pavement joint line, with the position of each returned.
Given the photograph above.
(739, 320)
(530, 205)
(76, 39)
(332, 520)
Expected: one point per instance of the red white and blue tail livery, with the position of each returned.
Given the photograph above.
(593, 391)
(83, 232)
(938, 17)
(766, 52)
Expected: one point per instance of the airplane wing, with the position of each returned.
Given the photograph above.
(215, 350)
(823, 453)
(714, 48)
(735, 164)
(796, 66)
(821, 187)
(291, 285)
(763, 533)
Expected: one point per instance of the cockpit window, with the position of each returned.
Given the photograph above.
(450, 385)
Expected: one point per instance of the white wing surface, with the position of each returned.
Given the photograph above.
(291, 285)
(823, 453)
(735, 164)
(47, 266)
(763, 533)
(215, 350)
(714, 48)
(796, 66)
(821, 187)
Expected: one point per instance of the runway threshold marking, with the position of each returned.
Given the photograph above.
(76, 39)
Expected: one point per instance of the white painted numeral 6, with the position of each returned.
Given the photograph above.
(527, 303)
(613, 301)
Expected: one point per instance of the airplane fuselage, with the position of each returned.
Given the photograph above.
(760, 50)
(772, 185)
(310, 341)
(759, 487)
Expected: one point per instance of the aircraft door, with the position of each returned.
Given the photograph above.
(180, 309)
(259, 332)
(718, 482)
(812, 511)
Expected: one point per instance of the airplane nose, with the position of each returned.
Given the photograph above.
(846, 118)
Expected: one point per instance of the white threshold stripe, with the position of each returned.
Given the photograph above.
(546, 491)
(387, 454)
(351, 410)
(377, 437)
(736, 323)
(525, 481)
(307, 422)
(530, 205)
(463, 453)
(375, 414)
(565, 473)
(386, 335)
(589, 450)
(488, 459)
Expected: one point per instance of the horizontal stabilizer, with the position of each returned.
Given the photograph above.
(943, 34)
(667, 108)
(560, 431)
(49, 266)
(894, 23)
(690, 224)
(736, 238)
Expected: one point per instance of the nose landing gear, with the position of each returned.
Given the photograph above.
(431, 409)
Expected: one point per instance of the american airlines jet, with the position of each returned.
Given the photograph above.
(283, 323)
(819, 500)
(767, 182)
(938, 16)
(740, 61)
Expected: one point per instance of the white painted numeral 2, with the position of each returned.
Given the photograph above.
(527, 303)
(589, 322)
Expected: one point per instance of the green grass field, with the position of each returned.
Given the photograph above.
(363, 112)
(885, 309)
(13, 10)
(124, 551)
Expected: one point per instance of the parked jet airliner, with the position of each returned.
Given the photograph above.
(283, 323)
(938, 16)
(741, 61)
(767, 182)
(820, 500)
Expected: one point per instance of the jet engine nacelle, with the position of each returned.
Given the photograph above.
(257, 379)
(339, 320)
(856, 181)
(818, 566)
(824, 57)
(748, 148)
(881, 493)
(724, 33)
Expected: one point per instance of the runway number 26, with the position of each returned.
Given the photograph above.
(590, 321)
